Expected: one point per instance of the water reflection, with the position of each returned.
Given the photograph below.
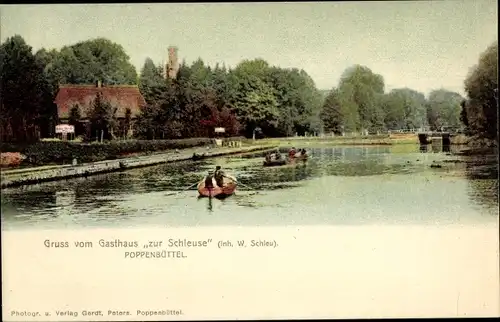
(438, 147)
(424, 148)
(209, 201)
(142, 193)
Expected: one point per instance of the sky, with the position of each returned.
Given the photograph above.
(423, 45)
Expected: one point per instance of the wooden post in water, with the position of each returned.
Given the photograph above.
(446, 139)
(422, 137)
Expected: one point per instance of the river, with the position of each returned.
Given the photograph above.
(356, 232)
(337, 186)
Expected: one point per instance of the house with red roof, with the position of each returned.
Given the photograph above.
(120, 97)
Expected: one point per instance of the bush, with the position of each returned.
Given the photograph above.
(48, 152)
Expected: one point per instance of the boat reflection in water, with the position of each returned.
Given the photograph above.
(423, 148)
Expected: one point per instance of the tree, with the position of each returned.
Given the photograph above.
(146, 125)
(254, 103)
(151, 81)
(444, 109)
(44, 59)
(74, 115)
(24, 100)
(332, 114)
(363, 87)
(481, 87)
(89, 61)
(463, 114)
(74, 119)
(404, 108)
(126, 122)
(102, 118)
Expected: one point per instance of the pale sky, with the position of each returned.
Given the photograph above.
(423, 45)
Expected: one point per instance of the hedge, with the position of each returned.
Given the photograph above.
(50, 152)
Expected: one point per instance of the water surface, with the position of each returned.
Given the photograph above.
(404, 184)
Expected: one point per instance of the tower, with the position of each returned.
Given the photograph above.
(173, 63)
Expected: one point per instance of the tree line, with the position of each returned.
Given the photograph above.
(359, 103)
(281, 102)
(251, 95)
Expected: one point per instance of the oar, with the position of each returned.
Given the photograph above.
(194, 184)
(244, 185)
(235, 180)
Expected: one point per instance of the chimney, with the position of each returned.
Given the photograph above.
(98, 84)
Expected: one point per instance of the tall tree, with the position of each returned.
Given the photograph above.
(463, 115)
(24, 100)
(102, 118)
(126, 123)
(255, 104)
(151, 81)
(481, 87)
(74, 119)
(365, 86)
(332, 114)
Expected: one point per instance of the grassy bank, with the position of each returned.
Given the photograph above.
(61, 152)
(339, 140)
(384, 139)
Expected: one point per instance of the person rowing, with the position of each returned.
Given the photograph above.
(220, 175)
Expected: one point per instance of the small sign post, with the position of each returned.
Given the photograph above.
(218, 141)
(64, 129)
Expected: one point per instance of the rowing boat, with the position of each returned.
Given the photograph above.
(197, 157)
(227, 189)
(274, 163)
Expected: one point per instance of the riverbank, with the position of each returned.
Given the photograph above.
(385, 139)
(17, 177)
(45, 153)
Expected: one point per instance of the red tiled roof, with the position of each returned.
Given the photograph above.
(120, 96)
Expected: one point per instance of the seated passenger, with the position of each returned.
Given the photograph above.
(209, 184)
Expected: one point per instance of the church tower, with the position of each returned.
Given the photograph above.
(172, 67)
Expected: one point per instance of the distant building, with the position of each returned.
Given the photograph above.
(121, 97)
(172, 67)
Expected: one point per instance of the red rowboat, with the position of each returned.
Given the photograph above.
(227, 189)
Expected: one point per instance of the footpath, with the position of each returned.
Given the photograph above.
(18, 177)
